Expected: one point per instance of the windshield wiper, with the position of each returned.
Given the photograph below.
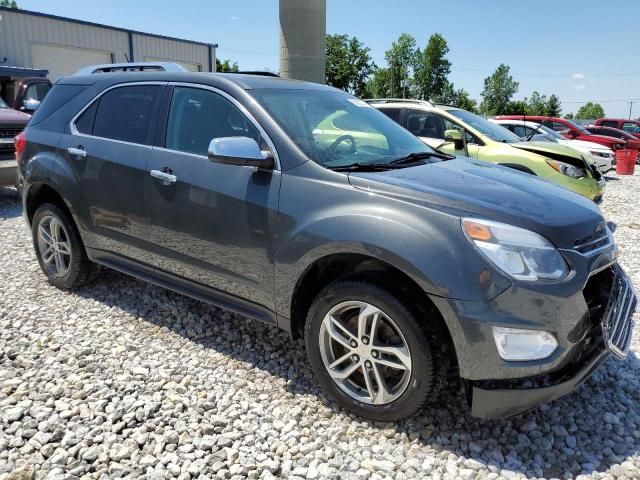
(361, 167)
(415, 157)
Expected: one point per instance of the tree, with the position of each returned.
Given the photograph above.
(432, 69)
(402, 58)
(518, 107)
(379, 84)
(590, 111)
(8, 3)
(569, 116)
(348, 64)
(498, 90)
(553, 108)
(226, 66)
(537, 104)
(458, 98)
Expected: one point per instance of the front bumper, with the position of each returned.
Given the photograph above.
(589, 323)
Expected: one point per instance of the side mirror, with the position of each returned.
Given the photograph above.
(454, 136)
(30, 105)
(243, 151)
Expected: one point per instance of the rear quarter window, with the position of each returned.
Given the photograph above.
(59, 96)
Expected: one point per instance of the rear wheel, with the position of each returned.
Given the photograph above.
(59, 249)
(370, 352)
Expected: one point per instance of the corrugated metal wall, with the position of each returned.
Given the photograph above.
(20, 30)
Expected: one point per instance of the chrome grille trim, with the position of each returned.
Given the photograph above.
(594, 243)
(617, 321)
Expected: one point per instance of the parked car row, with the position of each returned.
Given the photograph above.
(399, 264)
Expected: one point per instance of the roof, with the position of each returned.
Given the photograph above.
(101, 25)
(243, 81)
(21, 72)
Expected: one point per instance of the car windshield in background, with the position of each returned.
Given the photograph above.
(580, 128)
(550, 132)
(484, 126)
(3, 104)
(336, 130)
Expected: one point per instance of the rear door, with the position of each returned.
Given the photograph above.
(211, 223)
(107, 151)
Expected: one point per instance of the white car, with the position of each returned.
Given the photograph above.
(599, 156)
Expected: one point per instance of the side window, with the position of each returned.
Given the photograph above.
(197, 116)
(425, 124)
(84, 123)
(557, 126)
(520, 130)
(609, 123)
(612, 132)
(630, 127)
(124, 113)
(393, 113)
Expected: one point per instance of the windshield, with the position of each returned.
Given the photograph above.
(335, 129)
(580, 128)
(550, 132)
(2, 104)
(484, 126)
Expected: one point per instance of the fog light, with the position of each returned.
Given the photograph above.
(515, 344)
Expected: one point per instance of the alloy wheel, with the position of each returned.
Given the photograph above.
(365, 353)
(54, 246)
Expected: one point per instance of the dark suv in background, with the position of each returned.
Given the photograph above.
(397, 264)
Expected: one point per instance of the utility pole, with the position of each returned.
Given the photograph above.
(631, 102)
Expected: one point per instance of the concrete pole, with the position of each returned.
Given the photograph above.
(302, 39)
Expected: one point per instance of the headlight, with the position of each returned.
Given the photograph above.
(566, 169)
(520, 253)
(599, 154)
(516, 344)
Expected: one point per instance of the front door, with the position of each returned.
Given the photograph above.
(107, 152)
(211, 223)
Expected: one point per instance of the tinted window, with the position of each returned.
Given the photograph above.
(631, 127)
(84, 123)
(197, 116)
(59, 96)
(609, 123)
(37, 91)
(393, 113)
(124, 113)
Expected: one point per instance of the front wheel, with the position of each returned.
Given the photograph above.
(369, 352)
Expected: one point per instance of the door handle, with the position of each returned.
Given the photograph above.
(167, 178)
(77, 152)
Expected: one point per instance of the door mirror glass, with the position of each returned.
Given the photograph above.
(30, 105)
(239, 151)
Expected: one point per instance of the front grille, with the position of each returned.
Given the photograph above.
(617, 320)
(10, 131)
(597, 240)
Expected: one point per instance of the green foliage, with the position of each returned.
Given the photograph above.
(402, 58)
(379, 84)
(348, 64)
(8, 3)
(498, 90)
(432, 69)
(537, 104)
(553, 108)
(458, 98)
(569, 116)
(590, 111)
(518, 107)
(226, 66)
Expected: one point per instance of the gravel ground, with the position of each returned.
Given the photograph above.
(127, 379)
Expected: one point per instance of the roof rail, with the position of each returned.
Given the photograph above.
(399, 100)
(132, 67)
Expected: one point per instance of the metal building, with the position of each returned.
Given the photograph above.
(302, 39)
(63, 45)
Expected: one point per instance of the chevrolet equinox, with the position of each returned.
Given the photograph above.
(399, 266)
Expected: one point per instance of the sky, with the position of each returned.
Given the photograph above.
(581, 51)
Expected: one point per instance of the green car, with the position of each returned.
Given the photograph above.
(460, 132)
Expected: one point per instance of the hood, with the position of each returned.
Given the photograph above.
(9, 115)
(556, 151)
(587, 145)
(466, 187)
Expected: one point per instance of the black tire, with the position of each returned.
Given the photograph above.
(81, 271)
(424, 381)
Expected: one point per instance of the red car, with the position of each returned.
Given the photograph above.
(629, 126)
(633, 143)
(570, 130)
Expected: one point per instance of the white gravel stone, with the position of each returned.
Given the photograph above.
(125, 379)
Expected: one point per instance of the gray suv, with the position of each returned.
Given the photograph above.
(303, 207)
